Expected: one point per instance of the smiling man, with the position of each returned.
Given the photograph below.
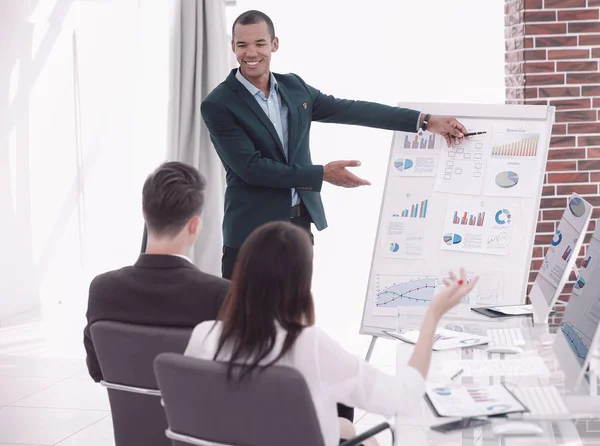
(259, 123)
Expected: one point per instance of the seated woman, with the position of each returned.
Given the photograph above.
(268, 319)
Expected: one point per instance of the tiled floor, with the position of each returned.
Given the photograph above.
(47, 398)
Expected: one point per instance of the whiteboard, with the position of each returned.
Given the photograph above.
(475, 205)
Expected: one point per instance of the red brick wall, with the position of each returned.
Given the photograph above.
(552, 55)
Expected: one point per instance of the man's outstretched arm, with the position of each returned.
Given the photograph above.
(327, 108)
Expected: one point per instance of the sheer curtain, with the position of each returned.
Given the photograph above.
(83, 108)
(199, 62)
(123, 63)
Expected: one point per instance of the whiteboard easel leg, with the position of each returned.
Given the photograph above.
(371, 347)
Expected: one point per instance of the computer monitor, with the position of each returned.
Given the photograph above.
(560, 258)
(578, 333)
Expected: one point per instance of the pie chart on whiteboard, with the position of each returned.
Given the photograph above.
(577, 206)
(401, 164)
(452, 239)
(507, 179)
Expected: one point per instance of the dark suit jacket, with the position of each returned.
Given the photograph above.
(259, 177)
(160, 290)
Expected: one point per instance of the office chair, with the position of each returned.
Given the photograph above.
(126, 353)
(272, 408)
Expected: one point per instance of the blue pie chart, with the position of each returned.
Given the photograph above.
(452, 239)
(394, 247)
(556, 239)
(502, 216)
(408, 164)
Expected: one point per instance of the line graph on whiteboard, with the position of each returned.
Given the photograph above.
(392, 291)
(398, 291)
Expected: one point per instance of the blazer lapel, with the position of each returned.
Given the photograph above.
(293, 118)
(250, 101)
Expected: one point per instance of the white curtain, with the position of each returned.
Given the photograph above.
(199, 62)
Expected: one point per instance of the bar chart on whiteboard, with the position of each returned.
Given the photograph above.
(405, 228)
(469, 203)
(419, 142)
(415, 155)
(507, 144)
(513, 162)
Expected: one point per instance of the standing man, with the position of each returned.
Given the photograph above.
(259, 123)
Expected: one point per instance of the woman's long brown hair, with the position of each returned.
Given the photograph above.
(271, 285)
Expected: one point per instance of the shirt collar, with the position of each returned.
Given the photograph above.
(251, 88)
(182, 256)
(176, 255)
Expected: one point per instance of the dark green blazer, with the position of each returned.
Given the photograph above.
(259, 177)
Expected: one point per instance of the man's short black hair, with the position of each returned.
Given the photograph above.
(253, 17)
(171, 196)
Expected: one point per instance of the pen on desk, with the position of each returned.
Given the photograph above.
(457, 374)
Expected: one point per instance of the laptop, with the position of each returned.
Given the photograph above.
(578, 333)
(575, 342)
(556, 267)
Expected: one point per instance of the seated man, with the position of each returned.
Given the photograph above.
(163, 288)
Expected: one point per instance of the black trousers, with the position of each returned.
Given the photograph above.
(227, 264)
(230, 254)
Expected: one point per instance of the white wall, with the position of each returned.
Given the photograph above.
(386, 51)
(69, 210)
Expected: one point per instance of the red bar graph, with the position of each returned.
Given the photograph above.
(419, 142)
(469, 219)
(567, 253)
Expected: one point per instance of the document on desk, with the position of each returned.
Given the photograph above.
(446, 339)
(477, 368)
(472, 400)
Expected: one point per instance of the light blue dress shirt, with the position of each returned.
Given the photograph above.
(276, 110)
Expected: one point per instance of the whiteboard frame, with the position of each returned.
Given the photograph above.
(465, 111)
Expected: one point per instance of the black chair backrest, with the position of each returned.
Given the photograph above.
(126, 353)
(273, 407)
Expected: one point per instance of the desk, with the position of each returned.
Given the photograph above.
(415, 429)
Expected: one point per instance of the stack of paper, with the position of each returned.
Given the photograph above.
(513, 310)
(472, 400)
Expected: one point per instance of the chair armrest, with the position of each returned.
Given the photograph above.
(130, 389)
(368, 434)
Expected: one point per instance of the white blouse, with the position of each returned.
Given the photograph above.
(332, 374)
